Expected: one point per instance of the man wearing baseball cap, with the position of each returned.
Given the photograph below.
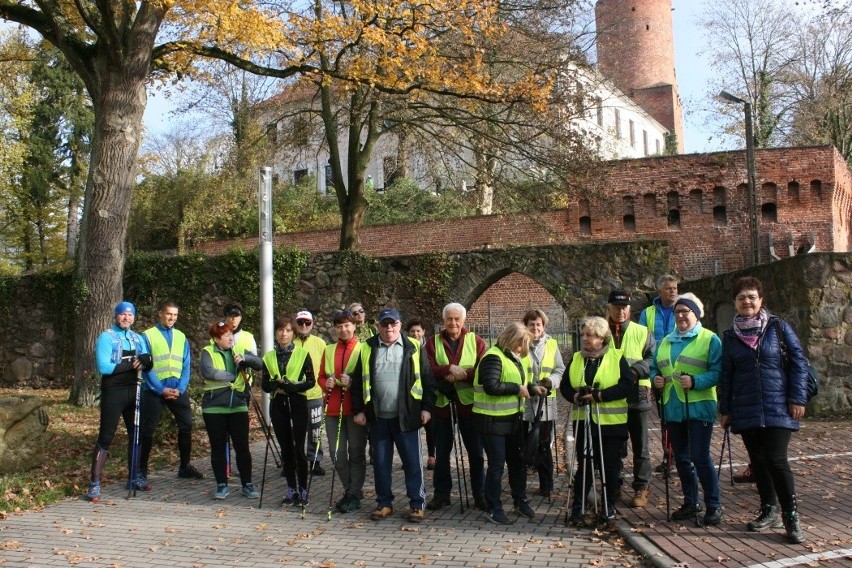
(393, 390)
(316, 347)
(637, 345)
(120, 354)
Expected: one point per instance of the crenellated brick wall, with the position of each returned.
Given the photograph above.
(707, 191)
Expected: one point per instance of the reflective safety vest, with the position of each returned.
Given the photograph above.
(350, 364)
(168, 363)
(607, 375)
(632, 344)
(467, 361)
(294, 367)
(693, 360)
(548, 362)
(651, 317)
(315, 346)
(238, 384)
(416, 391)
(506, 405)
(245, 342)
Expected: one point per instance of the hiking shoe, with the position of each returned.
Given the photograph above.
(713, 517)
(139, 484)
(640, 497)
(437, 502)
(301, 498)
(523, 509)
(480, 503)
(415, 516)
(348, 503)
(250, 492)
(190, 472)
(318, 470)
(608, 516)
(747, 476)
(289, 496)
(222, 491)
(94, 494)
(381, 513)
(768, 518)
(687, 511)
(498, 517)
(576, 519)
(795, 534)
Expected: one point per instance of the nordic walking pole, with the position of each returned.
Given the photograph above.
(267, 432)
(666, 450)
(571, 455)
(336, 450)
(730, 461)
(323, 411)
(689, 449)
(722, 453)
(134, 448)
(461, 474)
(263, 476)
(604, 487)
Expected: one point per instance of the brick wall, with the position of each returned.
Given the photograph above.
(706, 190)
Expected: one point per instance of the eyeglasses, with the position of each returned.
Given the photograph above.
(388, 323)
(357, 312)
(683, 313)
(304, 323)
(749, 297)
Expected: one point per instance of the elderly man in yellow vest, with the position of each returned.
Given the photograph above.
(637, 345)
(453, 356)
(545, 367)
(316, 347)
(166, 385)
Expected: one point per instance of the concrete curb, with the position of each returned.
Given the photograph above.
(651, 554)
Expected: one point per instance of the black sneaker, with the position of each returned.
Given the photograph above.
(190, 472)
(318, 470)
(289, 496)
(498, 517)
(437, 502)
(713, 517)
(687, 511)
(523, 509)
(576, 519)
(608, 516)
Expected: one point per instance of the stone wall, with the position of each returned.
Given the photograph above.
(813, 293)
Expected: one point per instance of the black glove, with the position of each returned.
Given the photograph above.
(289, 388)
(145, 361)
(545, 382)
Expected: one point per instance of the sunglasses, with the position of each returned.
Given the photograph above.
(357, 312)
(304, 323)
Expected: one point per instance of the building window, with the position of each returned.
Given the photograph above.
(673, 219)
(299, 175)
(391, 173)
(816, 191)
(720, 215)
(769, 213)
(599, 105)
(617, 116)
(585, 226)
(657, 146)
(673, 208)
(696, 198)
(632, 126)
(645, 142)
(629, 222)
(329, 177)
(793, 192)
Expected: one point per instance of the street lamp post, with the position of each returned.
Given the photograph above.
(750, 166)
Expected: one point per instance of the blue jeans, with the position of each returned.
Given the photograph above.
(384, 434)
(691, 448)
(444, 440)
(503, 450)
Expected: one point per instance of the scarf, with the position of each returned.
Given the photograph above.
(749, 329)
(596, 354)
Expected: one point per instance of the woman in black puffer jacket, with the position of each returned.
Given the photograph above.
(763, 399)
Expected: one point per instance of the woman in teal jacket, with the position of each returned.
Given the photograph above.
(686, 369)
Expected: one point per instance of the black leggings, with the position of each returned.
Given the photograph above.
(767, 453)
(286, 411)
(117, 402)
(221, 427)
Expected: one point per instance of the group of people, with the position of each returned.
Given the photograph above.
(378, 386)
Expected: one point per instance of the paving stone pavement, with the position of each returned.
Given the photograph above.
(179, 524)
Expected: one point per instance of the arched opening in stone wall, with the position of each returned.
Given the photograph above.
(508, 299)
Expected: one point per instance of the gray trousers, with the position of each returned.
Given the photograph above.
(637, 426)
(350, 461)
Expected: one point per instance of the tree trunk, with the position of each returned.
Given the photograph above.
(73, 225)
(351, 217)
(102, 245)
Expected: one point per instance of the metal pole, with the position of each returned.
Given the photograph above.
(264, 200)
(752, 185)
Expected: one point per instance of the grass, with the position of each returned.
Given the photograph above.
(68, 444)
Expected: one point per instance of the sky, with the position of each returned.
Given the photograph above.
(692, 74)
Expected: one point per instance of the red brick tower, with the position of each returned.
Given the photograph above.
(635, 47)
